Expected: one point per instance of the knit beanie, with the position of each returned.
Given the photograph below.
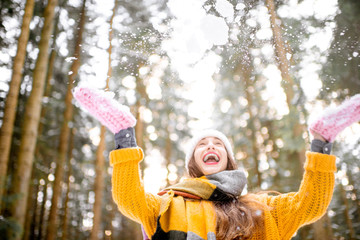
(208, 133)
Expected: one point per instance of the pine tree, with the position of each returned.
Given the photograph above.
(100, 159)
(65, 132)
(7, 126)
(32, 114)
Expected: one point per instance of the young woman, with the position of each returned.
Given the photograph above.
(210, 204)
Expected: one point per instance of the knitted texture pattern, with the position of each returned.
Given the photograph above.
(334, 120)
(128, 190)
(286, 213)
(103, 107)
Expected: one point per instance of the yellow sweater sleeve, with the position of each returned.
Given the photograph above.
(128, 190)
(293, 210)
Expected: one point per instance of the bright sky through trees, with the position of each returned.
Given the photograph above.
(258, 71)
(193, 33)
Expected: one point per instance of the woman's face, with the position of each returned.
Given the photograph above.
(210, 155)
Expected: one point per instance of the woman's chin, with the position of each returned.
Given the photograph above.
(209, 169)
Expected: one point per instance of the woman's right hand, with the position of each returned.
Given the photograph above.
(103, 107)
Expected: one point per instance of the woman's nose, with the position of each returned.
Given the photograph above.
(211, 145)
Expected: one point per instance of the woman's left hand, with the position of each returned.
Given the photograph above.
(334, 120)
(318, 136)
(103, 107)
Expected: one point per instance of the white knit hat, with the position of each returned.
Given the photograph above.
(208, 133)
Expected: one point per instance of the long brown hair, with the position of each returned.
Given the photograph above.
(238, 218)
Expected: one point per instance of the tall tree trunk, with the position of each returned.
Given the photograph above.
(79, 218)
(112, 215)
(355, 192)
(139, 131)
(65, 132)
(48, 87)
(139, 127)
(137, 110)
(243, 70)
(142, 100)
(29, 223)
(347, 213)
(168, 153)
(100, 160)
(31, 207)
(64, 228)
(99, 185)
(288, 83)
(12, 96)
(68, 184)
(31, 122)
(42, 213)
(254, 147)
(129, 230)
(321, 230)
(329, 228)
(35, 203)
(281, 52)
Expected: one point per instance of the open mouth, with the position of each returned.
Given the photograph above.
(211, 158)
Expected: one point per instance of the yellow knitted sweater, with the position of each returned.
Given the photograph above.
(285, 215)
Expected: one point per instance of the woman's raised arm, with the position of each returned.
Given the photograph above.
(127, 187)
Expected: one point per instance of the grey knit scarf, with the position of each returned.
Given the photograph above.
(215, 187)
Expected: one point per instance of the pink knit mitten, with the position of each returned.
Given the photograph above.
(103, 107)
(334, 120)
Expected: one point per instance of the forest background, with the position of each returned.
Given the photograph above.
(256, 70)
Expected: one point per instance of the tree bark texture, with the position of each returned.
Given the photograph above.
(99, 185)
(31, 212)
(139, 127)
(321, 230)
(288, 83)
(64, 228)
(347, 213)
(31, 122)
(252, 127)
(168, 153)
(100, 160)
(245, 72)
(281, 52)
(142, 100)
(48, 87)
(42, 213)
(65, 132)
(12, 96)
(355, 192)
(65, 223)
